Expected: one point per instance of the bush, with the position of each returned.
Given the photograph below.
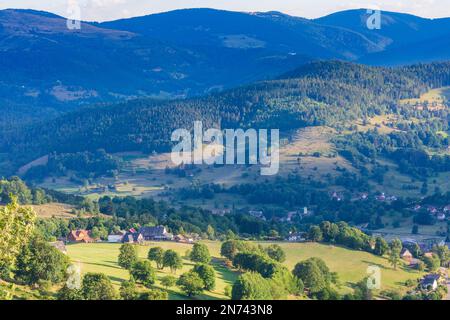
(128, 290)
(207, 274)
(128, 256)
(168, 281)
(154, 295)
(66, 293)
(172, 260)
(275, 252)
(40, 262)
(200, 253)
(157, 255)
(255, 262)
(143, 272)
(97, 286)
(251, 286)
(191, 283)
(311, 275)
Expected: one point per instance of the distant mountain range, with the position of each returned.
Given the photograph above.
(186, 53)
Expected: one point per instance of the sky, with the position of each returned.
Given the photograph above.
(104, 10)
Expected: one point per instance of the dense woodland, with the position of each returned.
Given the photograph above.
(320, 93)
(82, 164)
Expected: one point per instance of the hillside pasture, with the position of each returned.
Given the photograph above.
(350, 265)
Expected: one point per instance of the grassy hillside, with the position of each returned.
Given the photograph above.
(350, 265)
(102, 257)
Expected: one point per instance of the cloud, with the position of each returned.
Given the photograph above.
(115, 9)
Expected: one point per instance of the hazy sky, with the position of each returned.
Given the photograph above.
(101, 10)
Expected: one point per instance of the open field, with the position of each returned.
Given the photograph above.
(435, 99)
(350, 265)
(308, 153)
(102, 257)
(378, 122)
(57, 210)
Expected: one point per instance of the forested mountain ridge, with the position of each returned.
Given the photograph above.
(321, 93)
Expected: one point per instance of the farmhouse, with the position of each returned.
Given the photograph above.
(430, 282)
(381, 197)
(335, 196)
(80, 236)
(116, 237)
(296, 237)
(220, 212)
(133, 237)
(158, 233)
(441, 216)
(183, 239)
(406, 255)
(257, 214)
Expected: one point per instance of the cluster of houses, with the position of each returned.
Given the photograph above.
(290, 215)
(157, 233)
(299, 213)
(384, 197)
(337, 196)
(440, 213)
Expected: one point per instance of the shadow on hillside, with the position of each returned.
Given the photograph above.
(222, 272)
(379, 265)
(102, 265)
(117, 279)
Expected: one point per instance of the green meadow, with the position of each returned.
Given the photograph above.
(350, 265)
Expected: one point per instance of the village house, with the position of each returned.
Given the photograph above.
(381, 197)
(296, 237)
(220, 212)
(158, 233)
(83, 236)
(133, 237)
(60, 245)
(430, 282)
(364, 196)
(432, 209)
(391, 198)
(183, 238)
(116, 237)
(406, 255)
(257, 214)
(290, 215)
(336, 196)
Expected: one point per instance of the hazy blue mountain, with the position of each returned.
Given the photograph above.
(271, 31)
(41, 61)
(46, 68)
(436, 49)
(405, 38)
